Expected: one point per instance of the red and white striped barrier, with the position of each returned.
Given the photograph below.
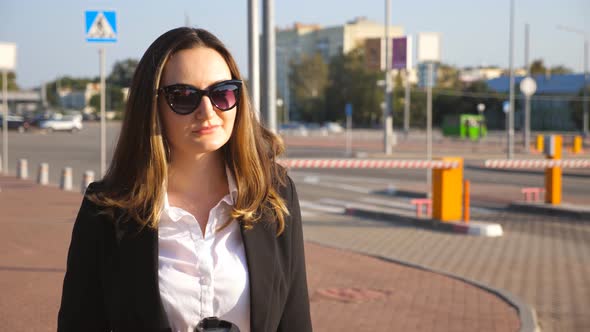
(571, 163)
(366, 163)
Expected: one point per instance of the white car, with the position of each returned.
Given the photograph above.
(333, 127)
(72, 123)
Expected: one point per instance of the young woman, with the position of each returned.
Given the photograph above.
(194, 217)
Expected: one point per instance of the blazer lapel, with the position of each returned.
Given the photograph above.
(141, 304)
(260, 247)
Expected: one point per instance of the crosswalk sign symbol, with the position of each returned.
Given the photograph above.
(101, 26)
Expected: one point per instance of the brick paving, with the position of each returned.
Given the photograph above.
(403, 298)
(347, 290)
(543, 260)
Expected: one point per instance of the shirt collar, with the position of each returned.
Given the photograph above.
(177, 213)
(233, 188)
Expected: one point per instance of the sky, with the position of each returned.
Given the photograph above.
(51, 41)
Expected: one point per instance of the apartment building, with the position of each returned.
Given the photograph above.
(308, 39)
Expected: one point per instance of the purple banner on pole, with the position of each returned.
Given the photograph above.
(399, 53)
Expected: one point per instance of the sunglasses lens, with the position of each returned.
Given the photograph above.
(225, 96)
(183, 99)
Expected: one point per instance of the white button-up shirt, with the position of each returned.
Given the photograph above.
(203, 275)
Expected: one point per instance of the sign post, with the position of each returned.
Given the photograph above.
(506, 109)
(7, 62)
(348, 110)
(402, 60)
(481, 107)
(387, 114)
(429, 52)
(101, 27)
(528, 88)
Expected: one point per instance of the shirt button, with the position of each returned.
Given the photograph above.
(205, 269)
(205, 281)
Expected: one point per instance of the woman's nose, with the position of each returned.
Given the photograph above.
(206, 109)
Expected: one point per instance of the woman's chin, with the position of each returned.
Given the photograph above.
(206, 146)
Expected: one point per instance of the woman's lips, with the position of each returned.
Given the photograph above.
(206, 130)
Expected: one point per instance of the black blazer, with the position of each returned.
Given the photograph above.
(111, 282)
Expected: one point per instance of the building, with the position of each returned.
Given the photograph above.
(22, 102)
(75, 99)
(470, 75)
(551, 105)
(302, 39)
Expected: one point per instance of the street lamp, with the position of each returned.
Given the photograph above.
(280, 104)
(528, 86)
(586, 36)
(510, 113)
(480, 108)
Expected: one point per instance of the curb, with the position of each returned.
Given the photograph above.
(539, 172)
(563, 210)
(472, 228)
(526, 313)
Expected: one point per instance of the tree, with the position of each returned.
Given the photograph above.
(448, 77)
(561, 70)
(307, 81)
(11, 80)
(537, 68)
(122, 73)
(351, 82)
(114, 99)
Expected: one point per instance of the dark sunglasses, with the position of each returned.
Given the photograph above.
(184, 98)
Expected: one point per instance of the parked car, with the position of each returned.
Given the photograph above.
(293, 128)
(72, 123)
(333, 127)
(15, 122)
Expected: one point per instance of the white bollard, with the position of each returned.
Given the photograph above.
(43, 174)
(22, 169)
(1, 170)
(66, 179)
(87, 179)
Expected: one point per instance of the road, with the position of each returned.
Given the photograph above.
(81, 151)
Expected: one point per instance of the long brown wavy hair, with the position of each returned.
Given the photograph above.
(135, 178)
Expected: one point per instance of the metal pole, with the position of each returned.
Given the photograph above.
(585, 89)
(254, 55)
(349, 136)
(271, 79)
(388, 120)
(585, 115)
(429, 127)
(287, 101)
(527, 107)
(407, 105)
(5, 121)
(511, 65)
(102, 114)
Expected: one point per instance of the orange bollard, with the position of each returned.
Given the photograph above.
(447, 185)
(553, 175)
(466, 203)
(577, 146)
(540, 143)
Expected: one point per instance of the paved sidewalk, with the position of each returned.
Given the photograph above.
(544, 260)
(348, 291)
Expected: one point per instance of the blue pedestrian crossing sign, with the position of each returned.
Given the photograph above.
(101, 26)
